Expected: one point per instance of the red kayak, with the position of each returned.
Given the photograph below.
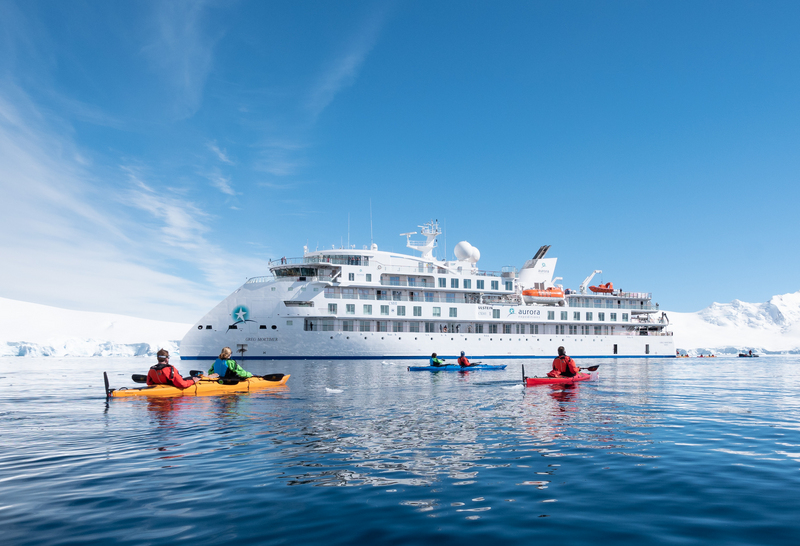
(532, 381)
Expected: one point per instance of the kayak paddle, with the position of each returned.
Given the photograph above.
(139, 378)
(591, 368)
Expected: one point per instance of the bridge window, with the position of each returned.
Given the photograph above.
(479, 284)
(495, 285)
(467, 284)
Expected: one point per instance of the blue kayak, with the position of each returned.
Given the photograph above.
(456, 368)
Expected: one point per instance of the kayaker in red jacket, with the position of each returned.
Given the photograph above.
(463, 362)
(164, 373)
(563, 365)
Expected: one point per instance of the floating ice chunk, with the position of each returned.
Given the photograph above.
(514, 388)
(333, 391)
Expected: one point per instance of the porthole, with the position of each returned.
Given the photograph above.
(274, 327)
(331, 337)
(199, 326)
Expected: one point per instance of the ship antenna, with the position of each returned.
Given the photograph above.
(348, 230)
(370, 224)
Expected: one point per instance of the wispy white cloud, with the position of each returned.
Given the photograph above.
(182, 51)
(343, 70)
(279, 157)
(221, 154)
(222, 183)
(81, 238)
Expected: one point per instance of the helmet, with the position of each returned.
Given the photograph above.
(462, 353)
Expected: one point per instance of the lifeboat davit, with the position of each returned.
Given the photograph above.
(606, 288)
(547, 296)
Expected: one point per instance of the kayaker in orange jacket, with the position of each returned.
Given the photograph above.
(463, 362)
(165, 373)
(563, 365)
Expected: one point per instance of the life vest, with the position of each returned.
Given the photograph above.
(159, 375)
(462, 361)
(565, 362)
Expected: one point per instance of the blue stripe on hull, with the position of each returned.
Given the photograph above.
(474, 357)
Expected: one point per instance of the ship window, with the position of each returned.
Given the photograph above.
(413, 327)
(273, 289)
(288, 323)
(369, 277)
(588, 316)
(417, 311)
(479, 284)
(453, 311)
(368, 309)
(208, 327)
(437, 311)
(429, 327)
(584, 330)
(518, 328)
(509, 285)
(347, 325)
(332, 308)
(401, 310)
(495, 313)
(613, 317)
(383, 326)
(624, 317)
(351, 309)
(384, 309)
(647, 349)
(429, 296)
(573, 330)
(442, 282)
(363, 326)
(597, 330)
(564, 315)
(453, 283)
(291, 288)
(615, 348)
(397, 326)
(394, 281)
(493, 328)
(262, 327)
(495, 285)
(351, 276)
(576, 315)
(327, 325)
(551, 315)
(479, 328)
(467, 284)
(450, 297)
(535, 329)
(560, 329)
(601, 317)
(506, 328)
(397, 295)
(233, 327)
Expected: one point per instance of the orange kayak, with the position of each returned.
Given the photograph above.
(204, 387)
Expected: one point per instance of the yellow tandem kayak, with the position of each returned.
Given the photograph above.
(204, 387)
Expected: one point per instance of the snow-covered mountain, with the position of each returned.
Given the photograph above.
(725, 328)
(40, 330)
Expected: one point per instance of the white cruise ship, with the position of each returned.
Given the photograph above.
(371, 304)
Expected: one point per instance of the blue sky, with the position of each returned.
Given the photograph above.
(155, 154)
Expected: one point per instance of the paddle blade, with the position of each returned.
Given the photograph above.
(592, 368)
(105, 379)
(523, 374)
(273, 377)
(139, 378)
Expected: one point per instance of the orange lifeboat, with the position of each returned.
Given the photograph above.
(551, 296)
(606, 288)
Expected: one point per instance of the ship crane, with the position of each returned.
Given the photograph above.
(588, 279)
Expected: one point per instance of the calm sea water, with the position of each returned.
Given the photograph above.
(678, 451)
